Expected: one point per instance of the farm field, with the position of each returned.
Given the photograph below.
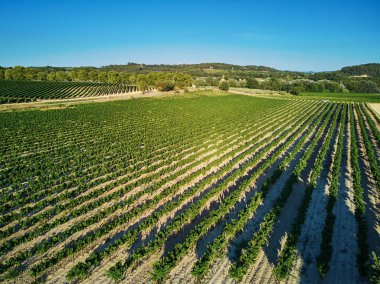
(206, 187)
(14, 91)
(348, 97)
(320, 96)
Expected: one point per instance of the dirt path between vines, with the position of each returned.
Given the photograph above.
(371, 194)
(368, 109)
(375, 107)
(305, 270)
(262, 271)
(343, 266)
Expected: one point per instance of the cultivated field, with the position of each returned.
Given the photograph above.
(200, 188)
(13, 91)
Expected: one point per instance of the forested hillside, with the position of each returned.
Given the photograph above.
(359, 79)
(371, 69)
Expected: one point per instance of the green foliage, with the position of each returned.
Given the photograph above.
(252, 83)
(362, 257)
(362, 86)
(109, 116)
(162, 267)
(165, 86)
(295, 91)
(327, 233)
(26, 91)
(182, 80)
(374, 162)
(210, 74)
(218, 247)
(288, 254)
(212, 81)
(200, 83)
(260, 238)
(223, 86)
(95, 174)
(371, 69)
(375, 269)
(342, 97)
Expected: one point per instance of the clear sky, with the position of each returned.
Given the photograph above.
(290, 35)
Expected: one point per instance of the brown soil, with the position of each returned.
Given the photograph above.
(371, 195)
(343, 266)
(375, 107)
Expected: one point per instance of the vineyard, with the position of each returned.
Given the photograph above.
(200, 188)
(29, 91)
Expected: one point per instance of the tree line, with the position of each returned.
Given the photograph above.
(165, 81)
(169, 77)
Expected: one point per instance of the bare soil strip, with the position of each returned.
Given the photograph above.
(343, 266)
(371, 194)
(306, 270)
(375, 107)
(262, 272)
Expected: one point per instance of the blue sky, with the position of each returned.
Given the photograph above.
(290, 35)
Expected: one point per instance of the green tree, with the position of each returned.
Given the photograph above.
(165, 86)
(233, 83)
(123, 77)
(82, 75)
(18, 73)
(72, 75)
(61, 76)
(274, 84)
(142, 82)
(112, 77)
(8, 74)
(182, 80)
(223, 86)
(93, 75)
(363, 86)
(51, 76)
(252, 83)
(103, 77)
(42, 76)
(211, 81)
(200, 83)
(296, 90)
(30, 74)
